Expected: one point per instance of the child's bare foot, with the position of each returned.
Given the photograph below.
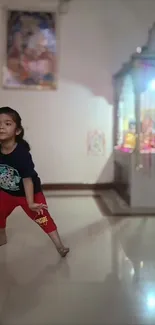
(54, 236)
(3, 239)
(63, 251)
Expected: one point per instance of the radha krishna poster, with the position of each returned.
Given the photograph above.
(31, 58)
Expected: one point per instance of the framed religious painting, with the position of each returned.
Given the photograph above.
(31, 53)
(96, 143)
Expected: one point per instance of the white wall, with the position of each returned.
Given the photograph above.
(96, 37)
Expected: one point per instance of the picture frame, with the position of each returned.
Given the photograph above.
(31, 50)
(96, 143)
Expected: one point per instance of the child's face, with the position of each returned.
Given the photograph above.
(8, 129)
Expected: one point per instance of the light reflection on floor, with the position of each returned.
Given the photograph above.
(108, 278)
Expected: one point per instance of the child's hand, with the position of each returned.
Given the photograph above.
(38, 207)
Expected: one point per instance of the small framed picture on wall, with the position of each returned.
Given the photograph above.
(31, 54)
(95, 143)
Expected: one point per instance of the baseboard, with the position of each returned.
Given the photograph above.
(121, 189)
(97, 188)
(77, 187)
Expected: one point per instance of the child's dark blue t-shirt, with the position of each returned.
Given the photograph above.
(14, 167)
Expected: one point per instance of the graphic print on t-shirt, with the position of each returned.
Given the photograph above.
(9, 178)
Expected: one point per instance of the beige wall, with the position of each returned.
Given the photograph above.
(96, 37)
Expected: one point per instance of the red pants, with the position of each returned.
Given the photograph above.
(9, 202)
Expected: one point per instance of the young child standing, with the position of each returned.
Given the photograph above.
(19, 182)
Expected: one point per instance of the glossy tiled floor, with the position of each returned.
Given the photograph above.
(108, 278)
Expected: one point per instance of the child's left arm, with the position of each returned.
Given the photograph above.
(29, 193)
(29, 190)
(26, 170)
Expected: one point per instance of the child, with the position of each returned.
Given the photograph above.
(19, 182)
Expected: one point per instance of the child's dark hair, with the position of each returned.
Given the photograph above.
(17, 119)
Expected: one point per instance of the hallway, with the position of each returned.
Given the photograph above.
(108, 277)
